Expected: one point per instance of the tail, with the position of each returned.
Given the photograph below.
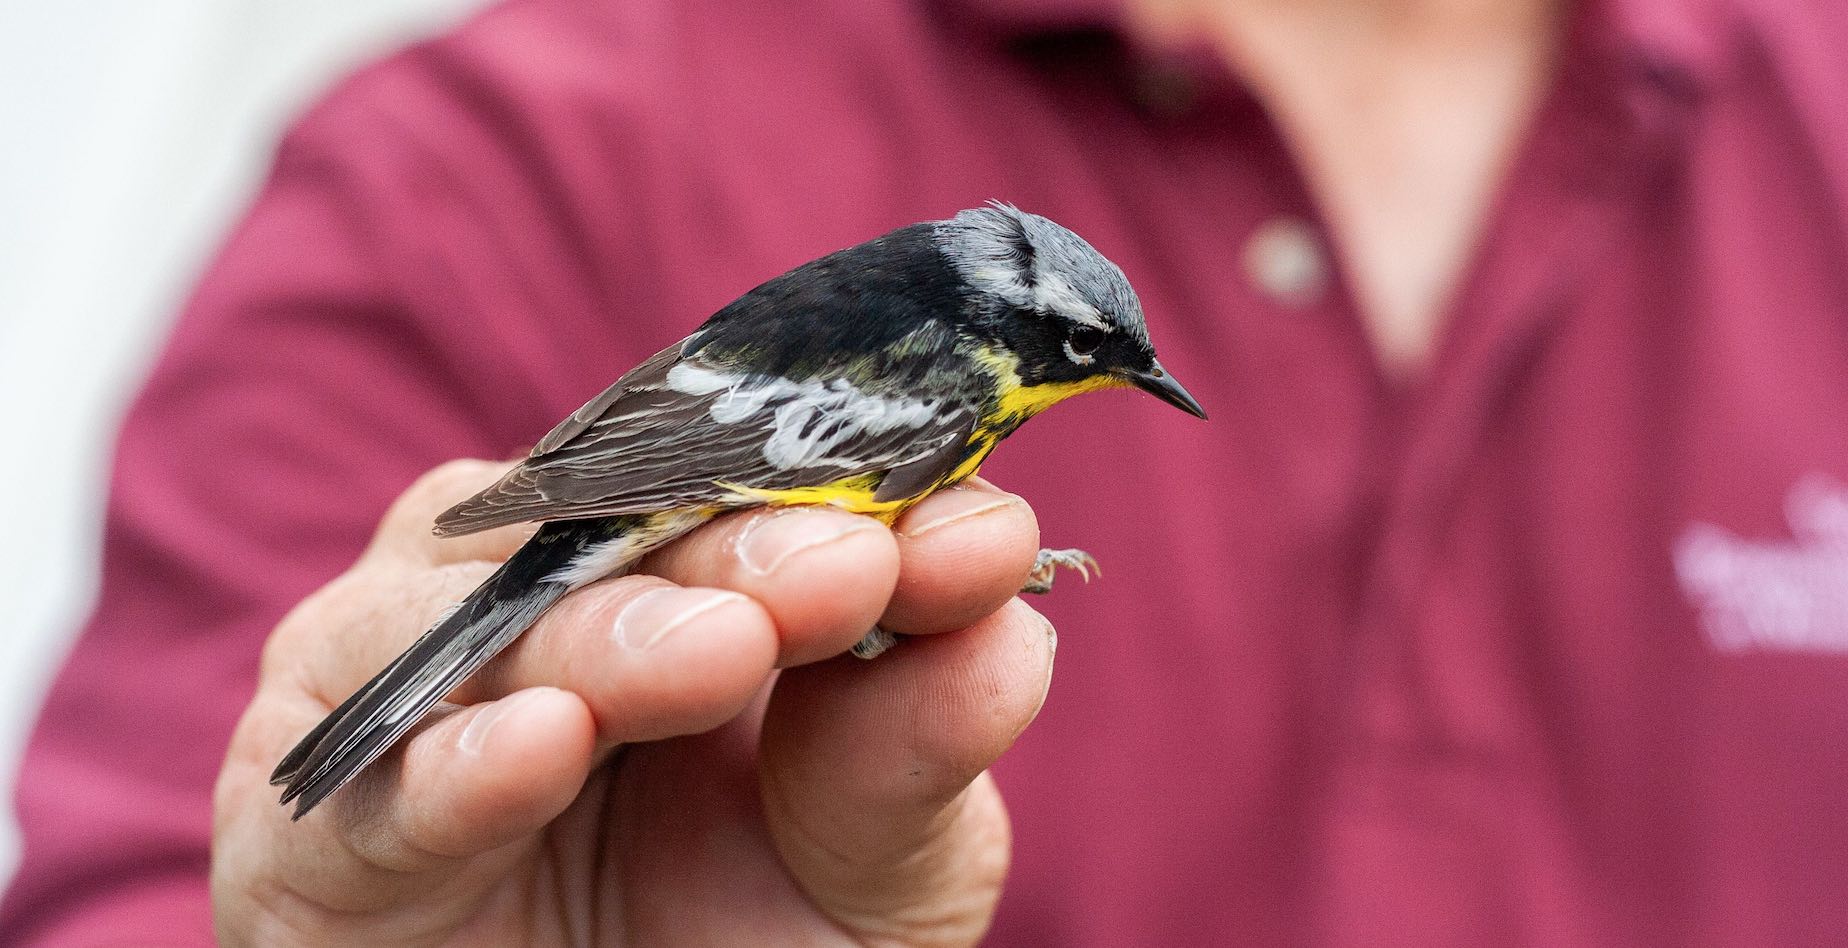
(367, 724)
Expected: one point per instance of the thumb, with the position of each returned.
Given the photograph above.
(874, 776)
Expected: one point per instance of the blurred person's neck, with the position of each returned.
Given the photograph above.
(1403, 115)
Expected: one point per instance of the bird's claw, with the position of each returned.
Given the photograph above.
(1046, 566)
(874, 643)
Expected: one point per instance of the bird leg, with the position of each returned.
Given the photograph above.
(1047, 564)
(874, 643)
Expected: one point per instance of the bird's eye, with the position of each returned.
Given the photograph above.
(1084, 340)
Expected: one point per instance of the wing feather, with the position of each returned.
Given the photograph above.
(644, 378)
(671, 431)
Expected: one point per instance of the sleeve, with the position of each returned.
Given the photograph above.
(322, 364)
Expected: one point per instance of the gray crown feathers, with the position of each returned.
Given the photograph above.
(1032, 263)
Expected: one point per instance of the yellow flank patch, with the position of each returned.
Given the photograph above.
(985, 441)
(852, 494)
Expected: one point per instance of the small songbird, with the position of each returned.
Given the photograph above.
(864, 381)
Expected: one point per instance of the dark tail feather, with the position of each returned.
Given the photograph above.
(367, 724)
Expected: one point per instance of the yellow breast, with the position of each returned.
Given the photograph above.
(852, 494)
(1014, 404)
(856, 494)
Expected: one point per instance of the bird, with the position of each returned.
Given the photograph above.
(863, 380)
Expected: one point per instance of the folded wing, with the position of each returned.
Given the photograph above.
(676, 431)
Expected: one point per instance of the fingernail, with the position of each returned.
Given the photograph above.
(956, 506)
(770, 541)
(475, 736)
(650, 617)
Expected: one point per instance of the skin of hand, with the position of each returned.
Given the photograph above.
(679, 756)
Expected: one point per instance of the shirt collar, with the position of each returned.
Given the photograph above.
(1018, 20)
(1670, 42)
(1671, 46)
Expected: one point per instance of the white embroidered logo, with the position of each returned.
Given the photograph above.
(1772, 594)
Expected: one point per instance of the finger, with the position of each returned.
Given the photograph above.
(650, 659)
(474, 781)
(448, 803)
(406, 529)
(824, 576)
(963, 552)
(867, 773)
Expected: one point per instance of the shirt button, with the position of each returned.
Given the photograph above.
(1285, 261)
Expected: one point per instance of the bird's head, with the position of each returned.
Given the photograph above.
(1050, 299)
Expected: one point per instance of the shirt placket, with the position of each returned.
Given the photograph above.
(1567, 206)
(1400, 759)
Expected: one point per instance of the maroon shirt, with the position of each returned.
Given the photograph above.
(1547, 647)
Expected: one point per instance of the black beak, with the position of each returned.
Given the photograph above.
(1157, 382)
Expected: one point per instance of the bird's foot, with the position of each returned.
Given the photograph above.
(874, 643)
(1045, 567)
(1047, 564)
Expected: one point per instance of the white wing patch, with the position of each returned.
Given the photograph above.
(811, 418)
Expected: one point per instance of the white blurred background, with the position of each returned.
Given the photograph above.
(131, 134)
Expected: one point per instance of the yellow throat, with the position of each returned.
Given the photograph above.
(1014, 403)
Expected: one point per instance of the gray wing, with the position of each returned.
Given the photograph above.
(671, 430)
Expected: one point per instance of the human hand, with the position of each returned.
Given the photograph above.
(636, 770)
